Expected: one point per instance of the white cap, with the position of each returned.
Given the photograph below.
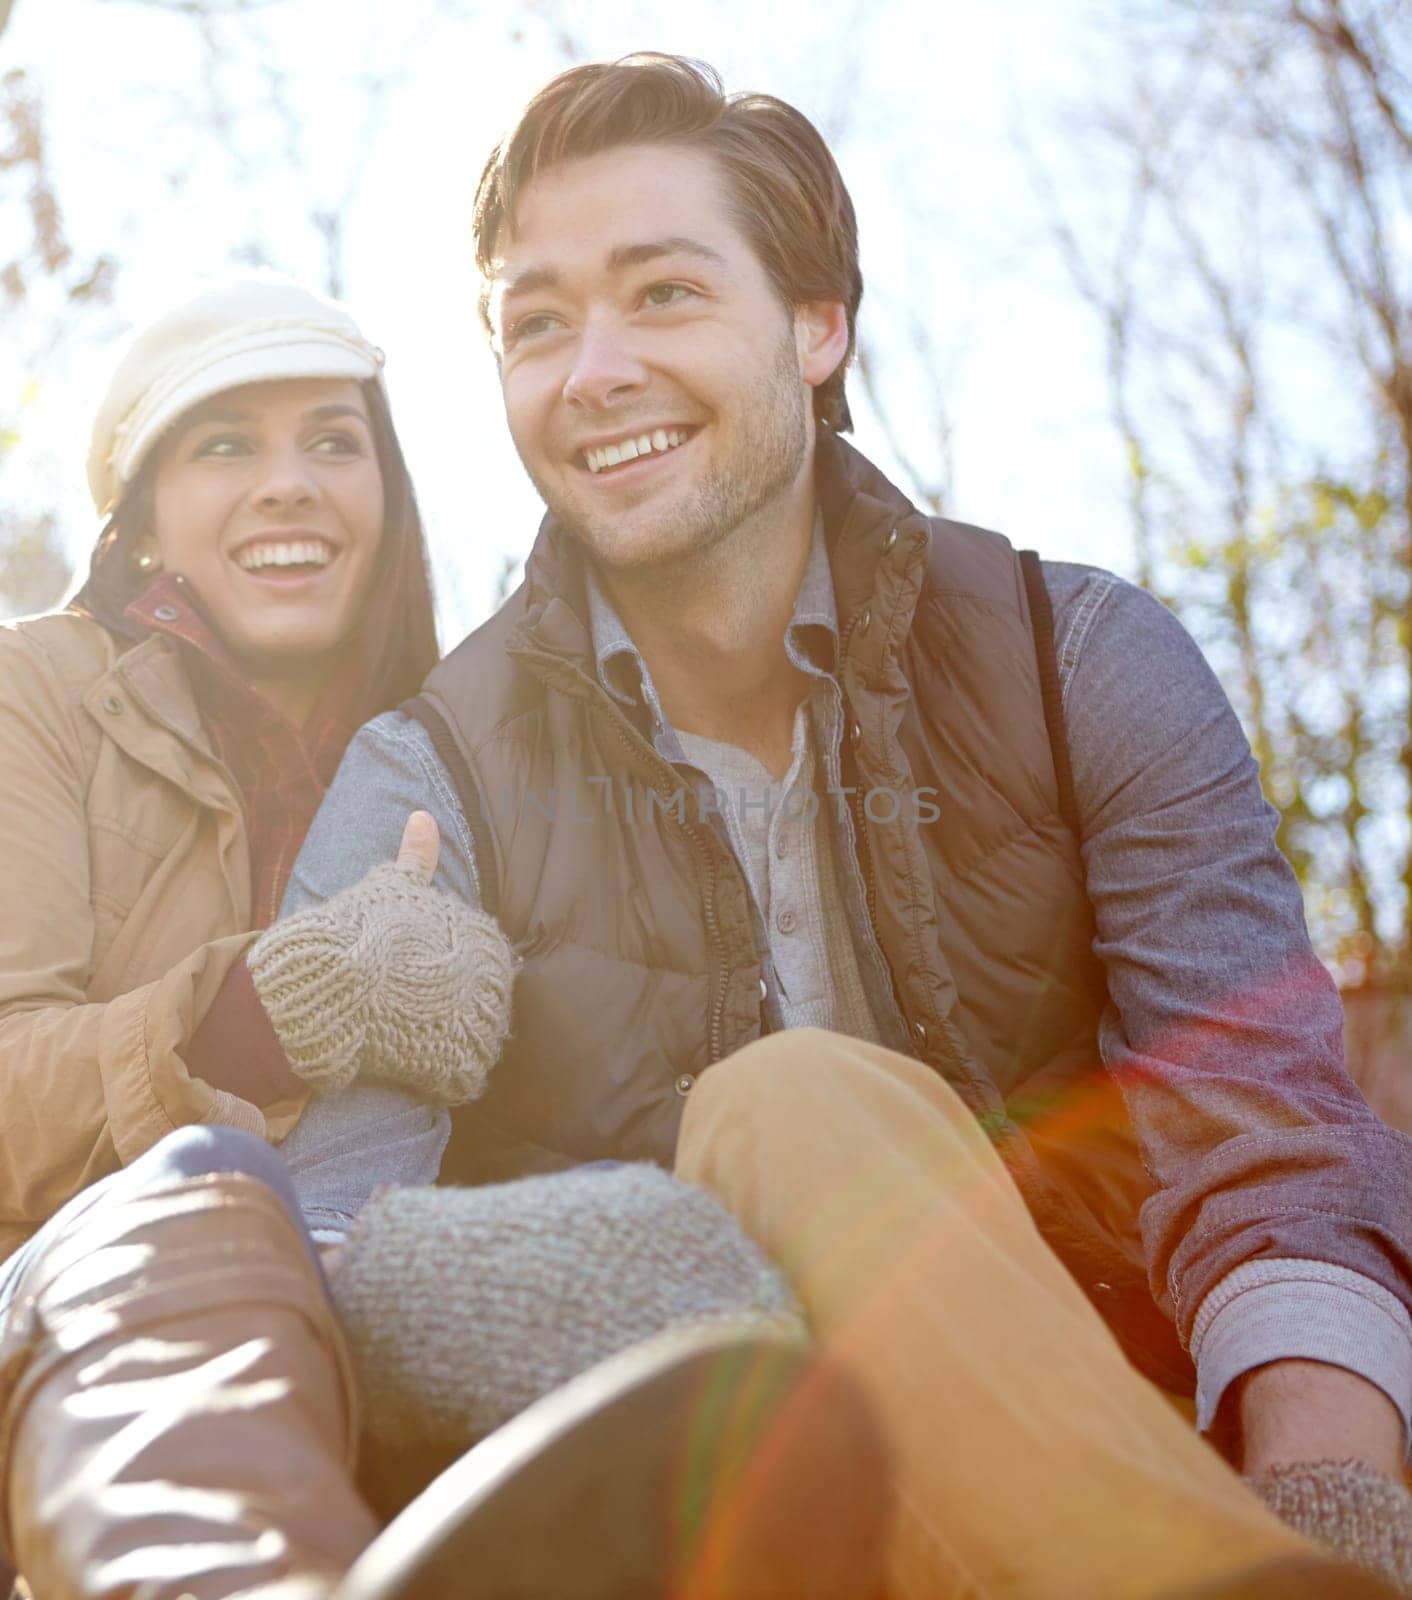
(249, 329)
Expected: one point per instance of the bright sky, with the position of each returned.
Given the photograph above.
(918, 98)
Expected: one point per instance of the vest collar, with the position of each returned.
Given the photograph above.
(866, 519)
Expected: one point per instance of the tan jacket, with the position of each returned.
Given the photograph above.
(124, 900)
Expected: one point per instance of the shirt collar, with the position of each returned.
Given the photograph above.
(811, 638)
(621, 669)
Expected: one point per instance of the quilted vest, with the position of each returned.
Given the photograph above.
(634, 920)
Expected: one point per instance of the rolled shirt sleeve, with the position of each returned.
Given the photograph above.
(1274, 1310)
(1283, 1211)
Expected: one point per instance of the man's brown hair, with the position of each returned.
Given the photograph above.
(785, 187)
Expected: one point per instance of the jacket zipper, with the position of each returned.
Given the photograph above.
(855, 805)
(865, 850)
(864, 846)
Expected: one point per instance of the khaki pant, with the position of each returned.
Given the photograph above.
(1032, 1459)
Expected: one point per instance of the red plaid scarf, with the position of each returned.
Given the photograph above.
(280, 769)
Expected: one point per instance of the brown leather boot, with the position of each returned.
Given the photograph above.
(176, 1413)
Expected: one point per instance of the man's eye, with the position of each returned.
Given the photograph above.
(529, 327)
(664, 294)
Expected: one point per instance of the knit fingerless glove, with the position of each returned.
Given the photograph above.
(391, 979)
(1350, 1509)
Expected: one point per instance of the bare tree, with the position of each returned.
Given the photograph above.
(45, 287)
(1256, 298)
(903, 371)
(925, 456)
(245, 84)
(238, 138)
(204, 10)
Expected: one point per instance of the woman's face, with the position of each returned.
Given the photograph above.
(268, 500)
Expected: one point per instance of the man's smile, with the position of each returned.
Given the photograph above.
(613, 454)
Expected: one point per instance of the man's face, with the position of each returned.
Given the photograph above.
(656, 388)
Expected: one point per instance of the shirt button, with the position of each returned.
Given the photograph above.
(890, 540)
(786, 922)
(685, 1083)
(920, 1029)
(865, 620)
(855, 733)
(782, 847)
(166, 613)
(112, 705)
(764, 990)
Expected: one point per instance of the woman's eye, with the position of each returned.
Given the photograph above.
(222, 446)
(665, 294)
(338, 444)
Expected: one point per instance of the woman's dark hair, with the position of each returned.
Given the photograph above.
(394, 645)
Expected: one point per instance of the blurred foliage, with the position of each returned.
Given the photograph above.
(44, 283)
(34, 571)
(44, 255)
(1249, 264)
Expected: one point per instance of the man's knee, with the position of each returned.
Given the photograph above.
(780, 1070)
(801, 1069)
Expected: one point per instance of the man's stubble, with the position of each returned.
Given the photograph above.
(729, 509)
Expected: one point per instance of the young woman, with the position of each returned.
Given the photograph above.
(260, 588)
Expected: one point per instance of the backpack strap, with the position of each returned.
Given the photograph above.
(468, 792)
(1050, 689)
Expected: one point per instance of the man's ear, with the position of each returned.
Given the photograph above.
(821, 338)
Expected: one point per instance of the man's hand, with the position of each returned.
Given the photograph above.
(1302, 1411)
(1323, 1449)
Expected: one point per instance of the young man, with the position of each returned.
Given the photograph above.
(759, 747)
